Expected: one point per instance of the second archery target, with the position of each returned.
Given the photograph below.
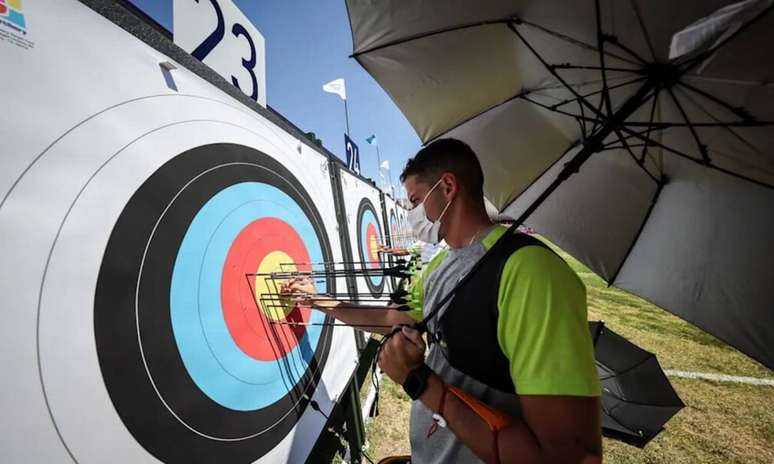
(366, 232)
(369, 238)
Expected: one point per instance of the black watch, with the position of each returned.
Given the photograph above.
(416, 382)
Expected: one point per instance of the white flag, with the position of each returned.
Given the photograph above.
(385, 164)
(336, 86)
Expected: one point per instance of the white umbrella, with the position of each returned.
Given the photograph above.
(656, 172)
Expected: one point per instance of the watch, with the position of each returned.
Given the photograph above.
(416, 381)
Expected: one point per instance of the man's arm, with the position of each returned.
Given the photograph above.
(378, 319)
(554, 429)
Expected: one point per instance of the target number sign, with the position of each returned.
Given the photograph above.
(218, 34)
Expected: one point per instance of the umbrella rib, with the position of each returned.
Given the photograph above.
(423, 35)
(640, 403)
(614, 41)
(556, 75)
(668, 124)
(638, 13)
(598, 120)
(605, 89)
(697, 161)
(521, 95)
(565, 113)
(596, 68)
(736, 135)
(650, 120)
(639, 163)
(632, 367)
(720, 80)
(611, 145)
(701, 146)
(695, 61)
(537, 178)
(582, 123)
(601, 47)
(737, 110)
(659, 188)
(572, 40)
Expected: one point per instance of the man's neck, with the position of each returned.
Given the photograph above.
(469, 225)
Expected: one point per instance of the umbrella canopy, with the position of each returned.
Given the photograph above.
(642, 130)
(637, 398)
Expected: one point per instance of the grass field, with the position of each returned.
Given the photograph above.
(721, 423)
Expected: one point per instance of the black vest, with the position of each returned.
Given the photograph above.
(468, 326)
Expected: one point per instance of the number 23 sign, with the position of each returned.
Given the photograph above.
(218, 34)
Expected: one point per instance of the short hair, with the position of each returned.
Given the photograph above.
(448, 155)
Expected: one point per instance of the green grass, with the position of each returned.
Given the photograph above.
(721, 423)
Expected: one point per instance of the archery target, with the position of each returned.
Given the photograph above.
(369, 238)
(391, 226)
(208, 358)
(366, 232)
(404, 239)
(131, 217)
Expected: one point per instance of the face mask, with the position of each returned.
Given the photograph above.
(422, 228)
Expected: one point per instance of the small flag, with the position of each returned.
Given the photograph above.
(336, 86)
(385, 164)
(371, 140)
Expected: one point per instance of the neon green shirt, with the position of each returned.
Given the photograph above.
(542, 326)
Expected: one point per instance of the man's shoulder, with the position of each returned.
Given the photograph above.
(537, 262)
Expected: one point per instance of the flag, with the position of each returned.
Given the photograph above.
(385, 164)
(336, 86)
(371, 140)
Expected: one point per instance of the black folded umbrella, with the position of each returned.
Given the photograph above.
(637, 398)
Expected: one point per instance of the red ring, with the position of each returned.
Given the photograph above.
(250, 328)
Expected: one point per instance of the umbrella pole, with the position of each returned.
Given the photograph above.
(595, 142)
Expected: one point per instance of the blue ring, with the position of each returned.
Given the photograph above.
(216, 364)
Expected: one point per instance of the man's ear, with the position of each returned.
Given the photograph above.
(449, 184)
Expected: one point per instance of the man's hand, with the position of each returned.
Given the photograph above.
(303, 291)
(403, 352)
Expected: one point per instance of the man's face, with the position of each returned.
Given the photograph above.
(417, 190)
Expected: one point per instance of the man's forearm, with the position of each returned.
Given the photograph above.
(370, 318)
(516, 442)
(468, 426)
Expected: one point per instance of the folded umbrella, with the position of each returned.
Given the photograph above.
(637, 398)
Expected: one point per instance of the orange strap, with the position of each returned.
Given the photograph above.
(496, 420)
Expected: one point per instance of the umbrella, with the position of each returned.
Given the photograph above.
(637, 398)
(636, 135)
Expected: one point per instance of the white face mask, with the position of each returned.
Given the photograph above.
(422, 228)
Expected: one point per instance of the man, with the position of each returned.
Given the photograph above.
(510, 376)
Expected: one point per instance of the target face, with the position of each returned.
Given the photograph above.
(214, 373)
(369, 237)
(393, 224)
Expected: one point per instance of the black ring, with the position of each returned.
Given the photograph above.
(205, 430)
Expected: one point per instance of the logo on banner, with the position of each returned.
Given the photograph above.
(353, 154)
(11, 15)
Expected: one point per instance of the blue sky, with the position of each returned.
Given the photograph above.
(308, 43)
